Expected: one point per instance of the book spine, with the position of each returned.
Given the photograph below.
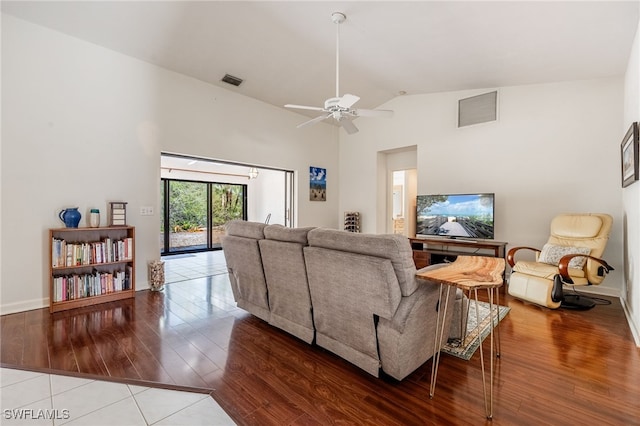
(129, 247)
(69, 260)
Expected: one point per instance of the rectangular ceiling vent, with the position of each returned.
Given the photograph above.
(477, 109)
(228, 78)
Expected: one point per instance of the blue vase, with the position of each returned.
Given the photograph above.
(71, 217)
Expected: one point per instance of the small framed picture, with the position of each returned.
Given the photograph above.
(117, 213)
(629, 156)
(317, 184)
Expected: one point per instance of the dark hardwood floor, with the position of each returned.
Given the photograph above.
(557, 367)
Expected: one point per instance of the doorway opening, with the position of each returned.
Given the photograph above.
(398, 189)
(198, 196)
(403, 195)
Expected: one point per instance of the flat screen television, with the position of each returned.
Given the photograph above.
(455, 215)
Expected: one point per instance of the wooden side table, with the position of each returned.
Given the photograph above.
(470, 274)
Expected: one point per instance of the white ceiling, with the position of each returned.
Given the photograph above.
(285, 51)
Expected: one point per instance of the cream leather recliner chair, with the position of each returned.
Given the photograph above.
(570, 256)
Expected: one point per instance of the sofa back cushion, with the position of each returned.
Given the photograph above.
(288, 235)
(242, 228)
(348, 291)
(246, 274)
(396, 248)
(286, 275)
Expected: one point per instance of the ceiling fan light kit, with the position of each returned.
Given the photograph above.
(339, 107)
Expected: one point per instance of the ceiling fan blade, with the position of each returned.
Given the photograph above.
(348, 100)
(314, 120)
(348, 126)
(304, 107)
(373, 112)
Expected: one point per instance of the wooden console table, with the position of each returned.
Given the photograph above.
(428, 251)
(469, 273)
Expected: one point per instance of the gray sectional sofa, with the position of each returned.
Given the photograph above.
(355, 295)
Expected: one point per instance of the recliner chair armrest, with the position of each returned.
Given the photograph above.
(563, 266)
(512, 252)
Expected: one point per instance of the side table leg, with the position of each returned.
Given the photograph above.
(488, 402)
(440, 323)
(497, 323)
(493, 345)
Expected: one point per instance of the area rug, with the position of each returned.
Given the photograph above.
(465, 349)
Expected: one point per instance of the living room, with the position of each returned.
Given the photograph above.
(112, 115)
(83, 125)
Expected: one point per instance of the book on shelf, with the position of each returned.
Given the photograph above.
(78, 286)
(65, 254)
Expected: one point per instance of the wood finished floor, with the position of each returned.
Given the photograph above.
(557, 367)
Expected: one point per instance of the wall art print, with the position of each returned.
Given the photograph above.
(630, 156)
(317, 184)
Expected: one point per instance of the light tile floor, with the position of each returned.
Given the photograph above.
(31, 398)
(181, 267)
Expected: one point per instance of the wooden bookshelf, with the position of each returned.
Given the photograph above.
(90, 265)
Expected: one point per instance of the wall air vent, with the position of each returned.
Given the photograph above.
(477, 109)
(228, 78)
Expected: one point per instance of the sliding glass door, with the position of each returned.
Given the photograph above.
(194, 213)
(228, 202)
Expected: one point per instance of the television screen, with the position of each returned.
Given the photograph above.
(455, 215)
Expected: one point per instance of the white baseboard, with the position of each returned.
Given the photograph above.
(632, 325)
(594, 289)
(606, 291)
(30, 305)
(26, 305)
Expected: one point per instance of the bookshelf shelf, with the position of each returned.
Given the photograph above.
(90, 265)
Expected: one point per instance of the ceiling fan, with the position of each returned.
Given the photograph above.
(340, 107)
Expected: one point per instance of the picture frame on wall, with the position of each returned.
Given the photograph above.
(117, 213)
(629, 156)
(317, 184)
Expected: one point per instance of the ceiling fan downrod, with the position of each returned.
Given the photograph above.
(338, 18)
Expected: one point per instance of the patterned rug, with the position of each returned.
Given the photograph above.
(466, 349)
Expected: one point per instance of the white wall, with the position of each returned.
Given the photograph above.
(266, 196)
(555, 148)
(631, 196)
(82, 125)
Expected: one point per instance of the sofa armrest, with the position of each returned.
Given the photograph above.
(426, 295)
(407, 340)
(409, 305)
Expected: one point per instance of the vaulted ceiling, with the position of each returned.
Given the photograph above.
(285, 51)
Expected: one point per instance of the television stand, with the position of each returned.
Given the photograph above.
(429, 251)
